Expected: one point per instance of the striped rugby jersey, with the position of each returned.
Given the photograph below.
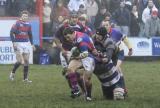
(21, 32)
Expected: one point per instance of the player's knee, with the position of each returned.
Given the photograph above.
(26, 62)
(118, 94)
(70, 70)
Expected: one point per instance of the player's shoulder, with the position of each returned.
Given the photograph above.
(80, 39)
(108, 41)
(114, 30)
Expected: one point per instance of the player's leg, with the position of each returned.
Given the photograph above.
(26, 67)
(64, 63)
(19, 61)
(120, 58)
(107, 92)
(118, 91)
(89, 65)
(87, 85)
(26, 54)
(72, 77)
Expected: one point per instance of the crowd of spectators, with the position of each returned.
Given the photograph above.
(14, 7)
(134, 18)
(138, 18)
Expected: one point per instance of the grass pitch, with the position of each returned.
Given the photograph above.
(50, 90)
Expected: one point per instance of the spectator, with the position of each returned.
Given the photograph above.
(21, 5)
(82, 10)
(103, 13)
(2, 7)
(134, 25)
(92, 10)
(74, 5)
(103, 3)
(58, 15)
(46, 18)
(147, 11)
(114, 4)
(122, 18)
(141, 5)
(128, 5)
(152, 25)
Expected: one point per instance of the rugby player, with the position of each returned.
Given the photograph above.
(21, 36)
(86, 47)
(118, 37)
(105, 70)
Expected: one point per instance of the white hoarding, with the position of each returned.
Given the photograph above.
(7, 55)
(6, 26)
(141, 47)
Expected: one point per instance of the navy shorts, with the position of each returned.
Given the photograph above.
(118, 56)
(108, 91)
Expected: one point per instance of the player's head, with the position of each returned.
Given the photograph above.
(101, 33)
(106, 24)
(24, 15)
(83, 19)
(73, 18)
(69, 34)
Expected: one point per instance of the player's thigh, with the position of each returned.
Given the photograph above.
(63, 60)
(88, 64)
(74, 65)
(19, 56)
(26, 57)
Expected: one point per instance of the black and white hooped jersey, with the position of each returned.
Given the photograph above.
(107, 73)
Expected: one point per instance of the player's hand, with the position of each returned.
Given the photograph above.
(14, 46)
(130, 52)
(64, 53)
(95, 52)
(104, 60)
(34, 48)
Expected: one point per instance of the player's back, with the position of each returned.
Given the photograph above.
(84, 42)
(116, 35)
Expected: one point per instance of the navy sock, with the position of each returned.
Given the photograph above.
(89, 89)
(25, 70)
(16, 65)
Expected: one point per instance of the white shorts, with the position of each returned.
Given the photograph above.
(23, 47)
(65, 60)
(88, 64)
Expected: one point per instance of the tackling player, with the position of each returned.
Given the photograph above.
(118, 37)
(105, 70)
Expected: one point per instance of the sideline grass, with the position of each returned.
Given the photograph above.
(49, 89)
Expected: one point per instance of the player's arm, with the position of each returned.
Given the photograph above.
(13, 33)
(31, 38)
(57, 39)
(30, 35)
(128, 44)
(83, 49)
(110, 48)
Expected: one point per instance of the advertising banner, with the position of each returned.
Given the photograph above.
(156, 46)
(141, 47)
(7, 55)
